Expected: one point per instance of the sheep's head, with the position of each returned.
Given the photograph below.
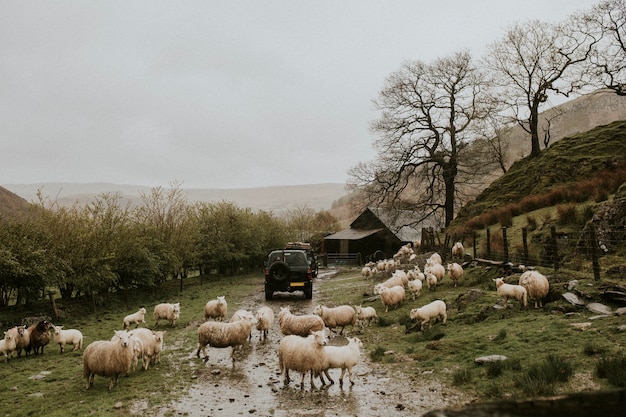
(124, 337)
(57, 329)
(142, 310)
(221, 299)
(318, 310)
(320, 337)
(498, 281)
(414, 314)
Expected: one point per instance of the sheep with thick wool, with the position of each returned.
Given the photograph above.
(537, 286)
(365, 314)
(507, 291)
(22, 341)
(342, 357)
(430, 313)
(431, 280)
(222, 335)
(265, 318)
(151, 345)
(39, 334)
(398, 277)
(136, 318)
(302, 354)
(415, 288)
(437, 270)
(392, 297)
(455, 272)
(301, 325)
(239, 314)
(458, 251)
(108, 358)
(64, 337)
(8, 343)
(343, 316)
(366, 272)
(434, 258)
(216, 309)
(167, 311)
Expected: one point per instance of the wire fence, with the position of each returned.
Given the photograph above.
(578, 247)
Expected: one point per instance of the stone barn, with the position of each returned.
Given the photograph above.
(375, 234)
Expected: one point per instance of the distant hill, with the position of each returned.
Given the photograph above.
(568, 162)
(12, 204)
(274, 198)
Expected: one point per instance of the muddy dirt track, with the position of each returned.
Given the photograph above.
(255, 387)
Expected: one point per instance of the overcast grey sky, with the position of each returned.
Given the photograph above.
(217, 94)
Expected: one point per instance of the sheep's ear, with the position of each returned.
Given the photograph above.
(493, 279)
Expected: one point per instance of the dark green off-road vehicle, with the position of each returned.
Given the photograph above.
(288, 271)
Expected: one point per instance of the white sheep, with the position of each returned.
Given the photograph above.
(239, 314)
(458, 251)
(68, 337)
(343, 316)
(108, 358)
(302, 354)
(301, 325)
(415, 288)
(437, 270)
(344, 357)
(430, 313)
(455, 272)
(23, 340)
(435, 258)
(364, 314)
(431, 280)
(216, 309)
(265, 319)
(167, 311)
(366, 272)
(138, 317)
(392, 297)
(507, 291)
(398, 277)
(8, 344)
(222, 335)
(151, 345)
(537, 286)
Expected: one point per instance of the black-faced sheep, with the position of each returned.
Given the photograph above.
(302, 354)
(136, 318)
(169, 312)
(429, 313)
(302, 325)
(222, 335)
(216, 309)
(108, 358)
(39, 334)
(537, 286)
(336, 316)
(64, 337)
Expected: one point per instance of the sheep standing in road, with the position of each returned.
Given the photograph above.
(302, 354)
(336, 316)
(216, 309)
(265, 319)
(302, 325)
(222, 335)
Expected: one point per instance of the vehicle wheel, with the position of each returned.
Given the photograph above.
(308, 293)
(279, 271)
(269, 295)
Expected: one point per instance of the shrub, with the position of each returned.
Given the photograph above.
(540, 379)
(566, 214)
(613, 369)
(592, 348)
(531, 223)
(495, 369)
(377, 354)
(461, 376)
(501, 336)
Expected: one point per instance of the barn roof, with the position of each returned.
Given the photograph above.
(353, 234)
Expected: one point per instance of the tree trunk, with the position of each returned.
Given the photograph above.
(533, 125)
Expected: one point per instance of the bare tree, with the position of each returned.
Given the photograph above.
(608, 59)
(427, 111)
(536, 59)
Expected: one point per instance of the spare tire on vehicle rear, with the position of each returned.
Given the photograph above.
(279, 271)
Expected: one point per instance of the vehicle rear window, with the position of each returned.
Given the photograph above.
(295, 258)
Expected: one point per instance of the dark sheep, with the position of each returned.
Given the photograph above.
(39, 336)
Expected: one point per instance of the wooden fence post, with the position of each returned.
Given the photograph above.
(593, 241)
(474, 243)
(555, 251)
(505, 243)
(488, 243)
(525, 244)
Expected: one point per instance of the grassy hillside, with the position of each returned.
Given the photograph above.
(596, 158)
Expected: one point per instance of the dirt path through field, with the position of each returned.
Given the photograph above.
(254, 385)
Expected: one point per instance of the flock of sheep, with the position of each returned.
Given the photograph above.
(303, 347)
